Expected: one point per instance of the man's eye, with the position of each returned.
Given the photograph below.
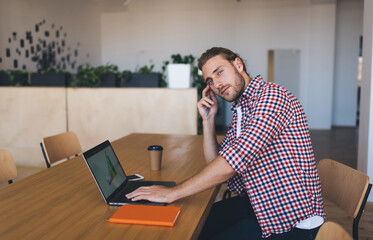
(220, 72)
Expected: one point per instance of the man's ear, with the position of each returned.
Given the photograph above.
(238, 64)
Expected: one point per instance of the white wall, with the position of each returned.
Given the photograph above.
(79, 19)
(348, 32)
(144, 33)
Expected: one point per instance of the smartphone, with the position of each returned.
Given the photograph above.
(136, 177)
(207, 110)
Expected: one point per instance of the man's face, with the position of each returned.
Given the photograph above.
(224, 77)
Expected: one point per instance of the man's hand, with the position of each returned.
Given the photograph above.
(208, 101)
(153, 193)
(214, 173)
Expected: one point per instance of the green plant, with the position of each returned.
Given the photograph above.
(54, 70)
(124, 76)
(17, 77)
(86, 76)
(90, 76)
(148, 70)
(177, 58)
(145, 69)
(163, 73)
(108, 68)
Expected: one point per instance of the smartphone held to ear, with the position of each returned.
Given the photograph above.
(207, 110)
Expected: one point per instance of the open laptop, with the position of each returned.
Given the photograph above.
(110, 177)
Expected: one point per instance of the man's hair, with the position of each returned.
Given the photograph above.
(224, 52)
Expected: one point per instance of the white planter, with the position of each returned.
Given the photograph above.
(179, 76)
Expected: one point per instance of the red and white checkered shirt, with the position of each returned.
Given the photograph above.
(273, 158)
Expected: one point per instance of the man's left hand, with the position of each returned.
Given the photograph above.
(153, 193)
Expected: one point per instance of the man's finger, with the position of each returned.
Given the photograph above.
(205, 91)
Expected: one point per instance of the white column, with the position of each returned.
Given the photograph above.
(365, 150)
(321, 64)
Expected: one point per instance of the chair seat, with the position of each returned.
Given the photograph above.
(338, 215)
(332, 231)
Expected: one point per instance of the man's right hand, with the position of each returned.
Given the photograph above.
(208, 101)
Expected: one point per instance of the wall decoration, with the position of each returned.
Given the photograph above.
(51, 50)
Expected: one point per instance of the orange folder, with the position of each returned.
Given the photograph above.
(146, 215)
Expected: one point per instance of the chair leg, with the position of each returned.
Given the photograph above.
(45, 156)
(355, 225)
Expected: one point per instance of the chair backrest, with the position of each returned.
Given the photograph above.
(61, 146)
(332, 231)
(343, 185)
(8, 170)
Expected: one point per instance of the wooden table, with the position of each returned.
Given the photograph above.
(63, 202)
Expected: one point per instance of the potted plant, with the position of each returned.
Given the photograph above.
(108, 75)
(50, 78)
(85, 77)
(143, 77)
(102, 76)
(179, 71)
(13, 78)
(124, 78)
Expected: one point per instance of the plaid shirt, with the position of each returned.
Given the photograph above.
(273, 158)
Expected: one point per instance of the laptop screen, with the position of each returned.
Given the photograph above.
(105, 168)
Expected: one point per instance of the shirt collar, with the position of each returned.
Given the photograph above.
(248, 92)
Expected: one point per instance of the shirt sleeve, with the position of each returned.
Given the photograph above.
(270, 114)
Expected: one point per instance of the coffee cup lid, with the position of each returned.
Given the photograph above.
(155, 148)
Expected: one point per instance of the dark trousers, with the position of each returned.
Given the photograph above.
(234, 218)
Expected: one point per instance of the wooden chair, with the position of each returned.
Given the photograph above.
(345, 187)
(8, 170)
(332, 231)
(59, 147)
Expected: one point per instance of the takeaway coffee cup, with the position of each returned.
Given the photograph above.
(155, 156)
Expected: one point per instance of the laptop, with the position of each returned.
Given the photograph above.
(111, 178)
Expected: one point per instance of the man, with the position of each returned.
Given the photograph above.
(266, 155)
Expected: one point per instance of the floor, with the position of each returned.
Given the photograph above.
(338, 143)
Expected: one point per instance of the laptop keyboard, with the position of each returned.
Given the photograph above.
(131, 186)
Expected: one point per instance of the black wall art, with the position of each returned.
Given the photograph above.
(45, 45)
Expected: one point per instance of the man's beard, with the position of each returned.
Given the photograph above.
(238, 87)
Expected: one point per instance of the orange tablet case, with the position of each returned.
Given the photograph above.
(146, 215)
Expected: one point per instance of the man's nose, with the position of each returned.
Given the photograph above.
(217, 83)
